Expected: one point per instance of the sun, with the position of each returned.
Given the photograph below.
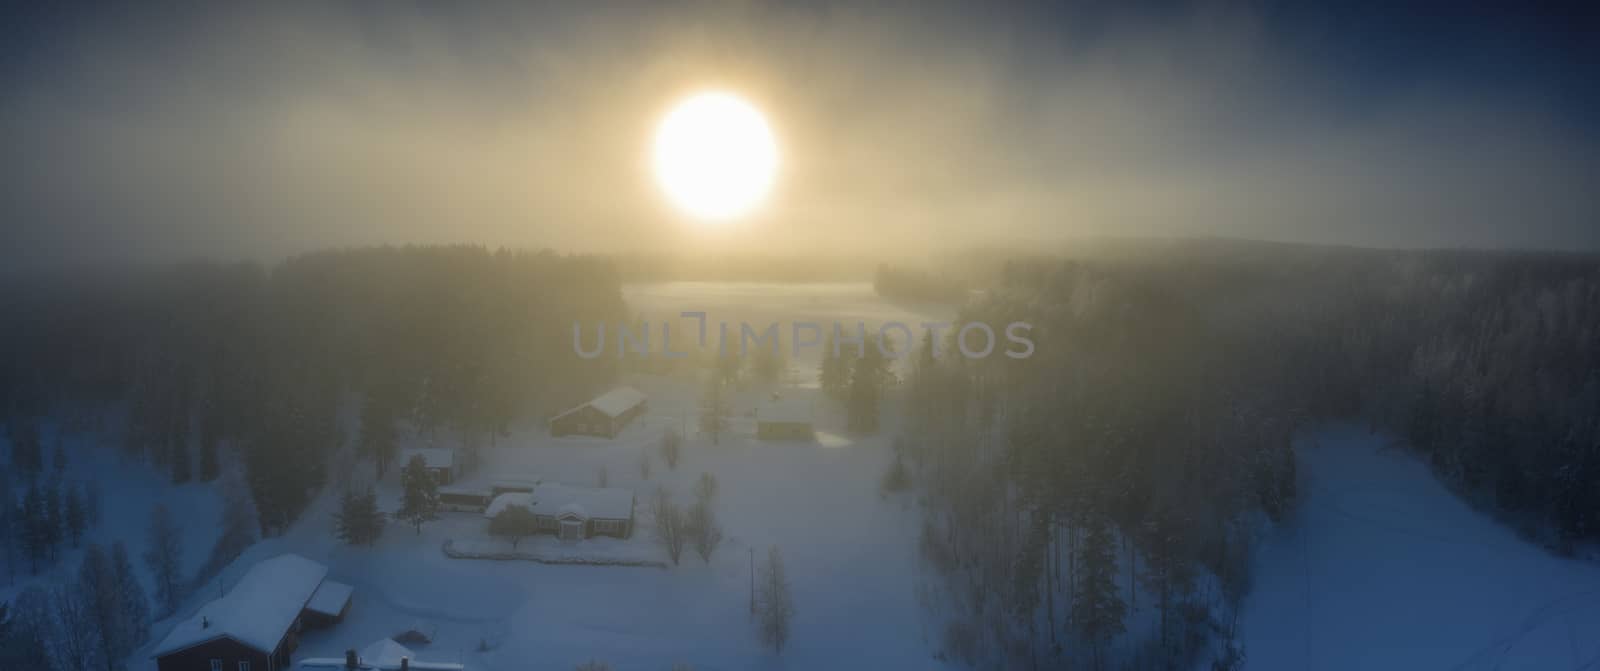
(715, 156)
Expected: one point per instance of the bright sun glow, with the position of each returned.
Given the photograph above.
(715, 156)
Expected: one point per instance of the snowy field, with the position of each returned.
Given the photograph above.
(1387, 569)
(850, 555)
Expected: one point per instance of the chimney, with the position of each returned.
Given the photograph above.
(350, 661)
(405, 664)
(205, 622)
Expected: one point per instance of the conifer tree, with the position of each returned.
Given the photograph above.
(1097, 608)
(164, 557)
(181, 471)
(358, 521)
(9, 527)
(834, 371)
(34, 521)
(58, 460)
(135, 606)
(210, 443)
(420, 501)
(91, 502)
(1166, 570)
(774, 603)
(77, 515)
(52, 520)
(27, 454)
(377, 438)
(714, 408)
(869, 375)
(116, 611)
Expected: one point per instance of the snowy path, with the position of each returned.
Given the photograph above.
(1385, 568)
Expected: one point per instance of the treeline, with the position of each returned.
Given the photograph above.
(192, 365)
(1093, 505)
(742, 267)
(911, 284)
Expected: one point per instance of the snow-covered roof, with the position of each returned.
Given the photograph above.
(433, 457)
(573, 510)
(612, 403)
(787, 410)
(611, 503)
(384, 655)
(479, 486)
(520, 482)
(330, 599)
(257, 611)
(506, 500)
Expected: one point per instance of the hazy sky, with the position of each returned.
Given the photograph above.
(233, 132)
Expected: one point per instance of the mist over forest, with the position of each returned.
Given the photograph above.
(469, 337)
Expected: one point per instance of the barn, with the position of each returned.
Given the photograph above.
(256, 625)
(573, 512)
(784, 419)
(604, 416)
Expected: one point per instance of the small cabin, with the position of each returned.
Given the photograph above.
(784, 419)
(602, 417)
(440, 462)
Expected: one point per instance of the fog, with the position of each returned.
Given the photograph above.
(259, 133)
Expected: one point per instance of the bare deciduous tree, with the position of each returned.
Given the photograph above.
(705, 488)
(671, 447)
(672, 531)
(704, 530)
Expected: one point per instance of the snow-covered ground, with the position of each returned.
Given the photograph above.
(1384, 568)
(129, 491)
(850, 555)
(851, 560)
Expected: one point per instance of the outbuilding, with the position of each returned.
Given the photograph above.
(440, 461)
(784, 419)
(604, 416)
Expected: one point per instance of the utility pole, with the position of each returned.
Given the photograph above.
(752, 582)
